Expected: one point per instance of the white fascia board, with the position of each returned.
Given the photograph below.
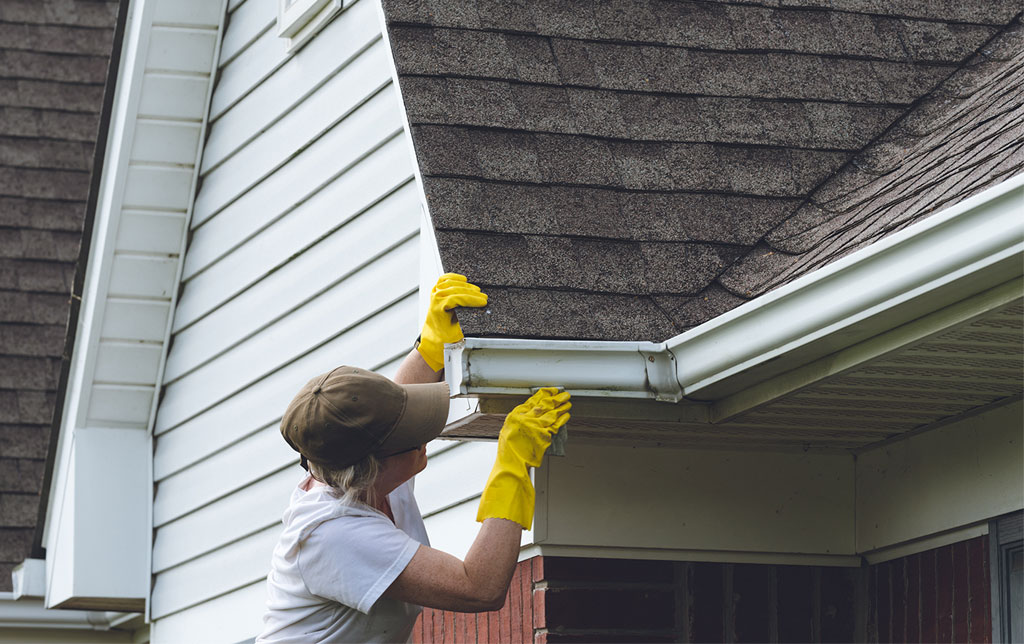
(60, 510)
(969, 248)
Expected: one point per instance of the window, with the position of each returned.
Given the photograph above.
(1006, 556)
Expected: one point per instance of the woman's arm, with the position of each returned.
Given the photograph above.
(479, 583)
(438, 580)
(415, 370)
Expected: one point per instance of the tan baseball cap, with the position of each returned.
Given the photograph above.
(344, 415)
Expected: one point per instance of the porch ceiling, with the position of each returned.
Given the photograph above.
(947, 365)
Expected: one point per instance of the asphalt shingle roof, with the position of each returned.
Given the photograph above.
(53, 63)
(617, 170)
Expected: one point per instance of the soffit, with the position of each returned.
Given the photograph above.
(599, 167)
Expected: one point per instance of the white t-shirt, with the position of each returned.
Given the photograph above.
(332, 564)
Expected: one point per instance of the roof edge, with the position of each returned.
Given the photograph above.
(968, 249)
(81, 266)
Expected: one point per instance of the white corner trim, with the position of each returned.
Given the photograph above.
(29, 579)
(970, 248)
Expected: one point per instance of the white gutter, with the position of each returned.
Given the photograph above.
(26, 613)
(969, 248)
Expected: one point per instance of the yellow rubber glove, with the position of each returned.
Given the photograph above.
(441, 326)
(524, 437)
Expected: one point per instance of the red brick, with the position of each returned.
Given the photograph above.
(437, 629)
(961, 593)
(539, 609)
(426, 620)
(458, 627)
(450, 630)
(929, 597)
(492, 627)
(505, 620)
(537, 563)
(944, 586)
(914, 598)
(483, 635)
(515, 602)
(526, 591)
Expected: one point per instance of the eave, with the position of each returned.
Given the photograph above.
(952, 269)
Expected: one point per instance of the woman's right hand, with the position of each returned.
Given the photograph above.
(524, 438)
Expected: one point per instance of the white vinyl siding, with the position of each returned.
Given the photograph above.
(304, 254)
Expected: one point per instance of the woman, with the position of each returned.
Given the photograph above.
(353, 563)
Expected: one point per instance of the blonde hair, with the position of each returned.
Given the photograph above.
(350, 484)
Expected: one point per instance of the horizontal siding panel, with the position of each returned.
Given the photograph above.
(245, 562)
(331, 104)
(121, 404)
(375, 342)
(222, 473)
(197, 13)
(166, 142)
(233, 617)
(332, 49)
(151, 232)
(312, 194)
(455, 475)
(268, 250)
(142, 320)
(245, 25)
(245, 511)
(181, 49)
(143, 276)
(128, 363)
(166, 96)
(340, 254)
(158, 188)
(259, 60)
(394, 278)
(454, 530)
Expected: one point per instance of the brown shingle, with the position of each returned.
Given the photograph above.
(573, 149)
(48, 124)
(56, 39)
(18, 510)
(18, 440)
(67, 68)
(94, 13)
(50, 95)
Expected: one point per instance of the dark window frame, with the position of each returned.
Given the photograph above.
(1005, 535)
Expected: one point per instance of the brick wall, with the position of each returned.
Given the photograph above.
(940, 595)
(563, 599)
(515, 622)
